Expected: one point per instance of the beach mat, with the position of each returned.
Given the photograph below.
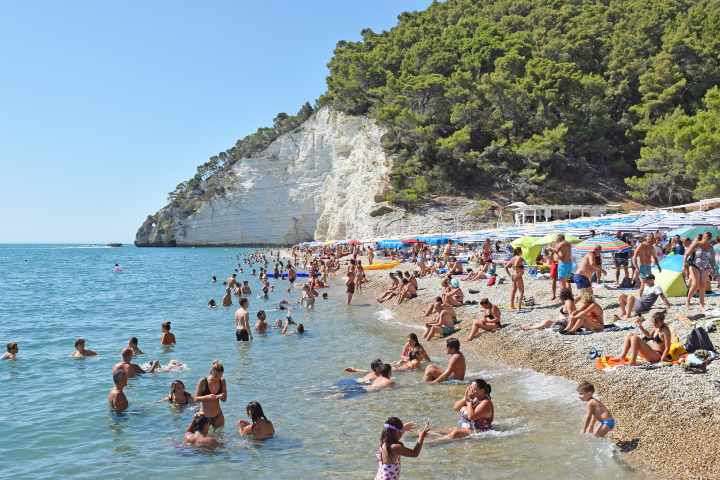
(604, 363)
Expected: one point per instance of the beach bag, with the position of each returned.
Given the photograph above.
(491, 281)
(698, 339)
(676, 350)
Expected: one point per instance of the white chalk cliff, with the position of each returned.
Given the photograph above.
(318, 181)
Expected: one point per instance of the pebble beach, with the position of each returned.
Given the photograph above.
(664, 416)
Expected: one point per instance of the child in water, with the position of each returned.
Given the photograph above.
(197, 433)
(596, 412)
(117, 400)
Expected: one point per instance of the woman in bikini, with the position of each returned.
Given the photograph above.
(413, 344)
(489, 322)
(588, 315)
(700, 259)
(210, 390)
(391, 449)
(475, 412)
(654, 345)
(517, 263)
(392, 291)
(486, 255)
(261, 428)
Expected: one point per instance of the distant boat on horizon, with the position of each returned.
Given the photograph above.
(114, 244)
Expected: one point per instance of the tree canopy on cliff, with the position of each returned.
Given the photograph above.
(529, 96)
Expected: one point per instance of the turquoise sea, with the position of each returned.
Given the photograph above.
(55, 422)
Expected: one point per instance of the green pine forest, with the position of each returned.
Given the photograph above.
(543, 100)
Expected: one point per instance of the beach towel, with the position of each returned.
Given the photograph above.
(606, 363)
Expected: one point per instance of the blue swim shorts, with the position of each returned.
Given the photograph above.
(581, 281)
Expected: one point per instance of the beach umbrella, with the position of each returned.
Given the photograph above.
(551, 237)
(410, 241)
(692, 232)
(608, 244)
(353, 242)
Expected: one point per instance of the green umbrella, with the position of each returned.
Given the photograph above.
(551, 237)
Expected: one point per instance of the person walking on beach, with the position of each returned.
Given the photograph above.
(209, 391)
(456, 365)
(700, 261)
(563, 250)
(643, 258)
(391, 449)
(621, 258)
(597, 412)
(117, 400)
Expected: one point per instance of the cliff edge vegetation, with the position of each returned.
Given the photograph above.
(533, 96)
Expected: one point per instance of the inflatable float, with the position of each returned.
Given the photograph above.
(284, 275)
(382, 266)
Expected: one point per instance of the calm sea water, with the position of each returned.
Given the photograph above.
(55, 422)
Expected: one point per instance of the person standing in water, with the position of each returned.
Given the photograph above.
(350, 285)
(210, 390)
(242, 318)
(261, 325)
(11, 351)
(81, 351)
(292, 275)
(168, 338)
(117, 400)
(391, 449)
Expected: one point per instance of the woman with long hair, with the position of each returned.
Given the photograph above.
(259, 427)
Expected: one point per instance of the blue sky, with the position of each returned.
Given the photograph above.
(106, 106)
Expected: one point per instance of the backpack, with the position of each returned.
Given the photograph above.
(698, 339)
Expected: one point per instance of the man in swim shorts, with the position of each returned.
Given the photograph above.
(242, 318)
(132, 369)
(563, 250)
(621, 258)
(585, 269)
(117, 400)
(643, 259)
(444, 323)
(456, 365)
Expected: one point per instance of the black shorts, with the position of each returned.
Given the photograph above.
(621, 261)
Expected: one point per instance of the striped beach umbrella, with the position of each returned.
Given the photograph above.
(608, 244)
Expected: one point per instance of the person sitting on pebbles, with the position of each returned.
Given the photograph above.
(654, 345)
(452, 293)
(631, 305)
(489, 322)
(588, 315)
(444, 323)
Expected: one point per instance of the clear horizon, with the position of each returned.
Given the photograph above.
(109, 107)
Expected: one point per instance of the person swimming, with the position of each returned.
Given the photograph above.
(81, 351)
(261, 428)
(212, 304)
(375, 368)
(209, 391)
(178, 395)
(117, 268)
(261, 325)
(132, 369)
(197, 433)
(383, 380)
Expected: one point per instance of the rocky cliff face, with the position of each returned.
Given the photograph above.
(318, 181)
